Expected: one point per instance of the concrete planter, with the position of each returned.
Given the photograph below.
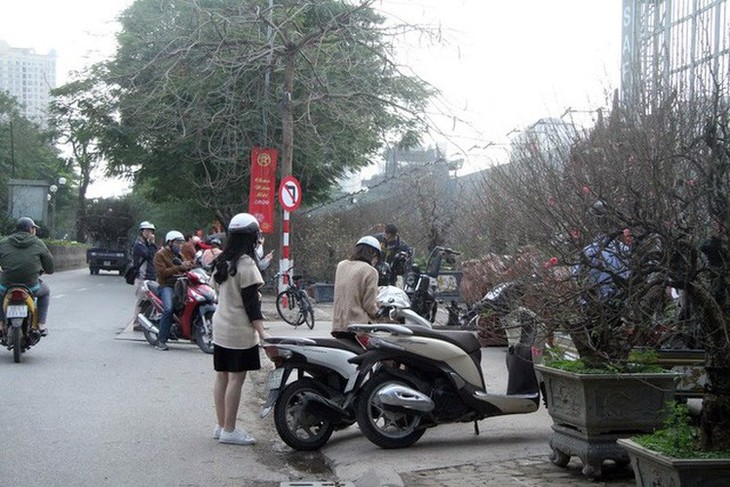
(591, 411)
(654, 469)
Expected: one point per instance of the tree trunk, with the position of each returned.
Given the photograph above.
(287, 131)
(81, 210)
(715, 420)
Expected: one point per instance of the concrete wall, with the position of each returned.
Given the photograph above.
(68, 257)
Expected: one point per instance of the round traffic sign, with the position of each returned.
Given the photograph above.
(290, 193)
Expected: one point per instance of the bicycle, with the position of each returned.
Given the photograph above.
(293, 304)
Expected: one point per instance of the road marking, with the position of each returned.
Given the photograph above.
(58, 295)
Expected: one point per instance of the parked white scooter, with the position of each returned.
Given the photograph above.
(419, 378)
(312, 389)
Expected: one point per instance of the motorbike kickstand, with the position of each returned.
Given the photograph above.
(476, 427)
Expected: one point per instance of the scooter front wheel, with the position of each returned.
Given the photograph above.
(300, 422)
(387, 427)
(204, 332)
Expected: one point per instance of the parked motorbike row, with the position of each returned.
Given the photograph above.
(394, 379)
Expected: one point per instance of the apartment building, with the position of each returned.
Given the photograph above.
(29, 77)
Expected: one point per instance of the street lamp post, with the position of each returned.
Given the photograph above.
(51, 197)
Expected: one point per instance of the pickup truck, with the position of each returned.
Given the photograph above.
(107, 259)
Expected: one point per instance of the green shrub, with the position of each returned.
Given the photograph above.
(678, 438)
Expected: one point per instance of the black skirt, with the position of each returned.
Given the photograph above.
(232, 360)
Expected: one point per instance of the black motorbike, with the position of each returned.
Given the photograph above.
(421, 286)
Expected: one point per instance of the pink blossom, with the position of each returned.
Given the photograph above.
(551, 201)
(628, 237)
(586, 190)
(550, 263)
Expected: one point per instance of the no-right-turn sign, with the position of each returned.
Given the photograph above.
(290, 193)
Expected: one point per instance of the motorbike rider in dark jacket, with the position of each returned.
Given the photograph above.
(143, 255)
(395, 252)
(23, 257)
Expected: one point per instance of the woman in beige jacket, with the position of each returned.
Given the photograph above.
(356, 287)
(237, 325)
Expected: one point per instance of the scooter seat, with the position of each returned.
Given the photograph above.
(464, 339)
(154, 286)
(341, 344)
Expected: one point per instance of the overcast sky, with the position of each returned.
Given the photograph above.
(504, 64)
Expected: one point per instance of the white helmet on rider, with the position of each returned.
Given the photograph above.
(145, 225)
(243, 223)
(174, 235)
(370, 242)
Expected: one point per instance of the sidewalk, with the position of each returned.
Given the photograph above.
(525, 471)
(531, 471)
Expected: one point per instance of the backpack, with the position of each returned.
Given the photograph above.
(130, 275)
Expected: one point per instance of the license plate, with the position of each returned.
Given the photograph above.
(275, 378)
(107, 262)
(15, 311)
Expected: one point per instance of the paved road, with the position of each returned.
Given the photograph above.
(94, 404)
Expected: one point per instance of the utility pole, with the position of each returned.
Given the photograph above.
(12, 150)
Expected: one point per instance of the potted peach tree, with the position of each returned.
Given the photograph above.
(631, 217)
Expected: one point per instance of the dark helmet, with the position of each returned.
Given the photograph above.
(24, 224)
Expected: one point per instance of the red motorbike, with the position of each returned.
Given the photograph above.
(194, 302)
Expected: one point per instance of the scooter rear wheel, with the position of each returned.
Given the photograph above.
(300, 422)
(16, 337)
(384, 426)
(148, 311)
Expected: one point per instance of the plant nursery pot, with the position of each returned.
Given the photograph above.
(591, 411)
(654, 469)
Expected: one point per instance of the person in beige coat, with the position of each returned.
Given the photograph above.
(356, 287)
(237, 325)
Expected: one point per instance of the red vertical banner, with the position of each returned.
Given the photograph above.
(263, 187)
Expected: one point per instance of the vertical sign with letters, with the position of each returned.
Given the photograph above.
(263, 187)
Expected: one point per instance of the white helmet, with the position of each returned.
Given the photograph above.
(243, 223)
(370, 242)
(145, 225)
(174, 235)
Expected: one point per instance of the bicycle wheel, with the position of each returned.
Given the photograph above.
(288, 307)
(307, 310)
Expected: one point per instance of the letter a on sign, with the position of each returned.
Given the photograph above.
(290, 193)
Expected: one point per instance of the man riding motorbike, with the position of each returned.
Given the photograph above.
(23, 257)
(166, 267)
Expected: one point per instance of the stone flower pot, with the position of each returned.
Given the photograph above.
(654, 469)
(591, 411)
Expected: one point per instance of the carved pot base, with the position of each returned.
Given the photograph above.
(591, 450)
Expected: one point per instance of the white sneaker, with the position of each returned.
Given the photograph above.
(236, 437)
(217, 432)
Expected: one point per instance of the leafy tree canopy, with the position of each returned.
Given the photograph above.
(200, 83)
(26, 150)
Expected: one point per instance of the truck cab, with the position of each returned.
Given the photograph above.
(108, 256)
